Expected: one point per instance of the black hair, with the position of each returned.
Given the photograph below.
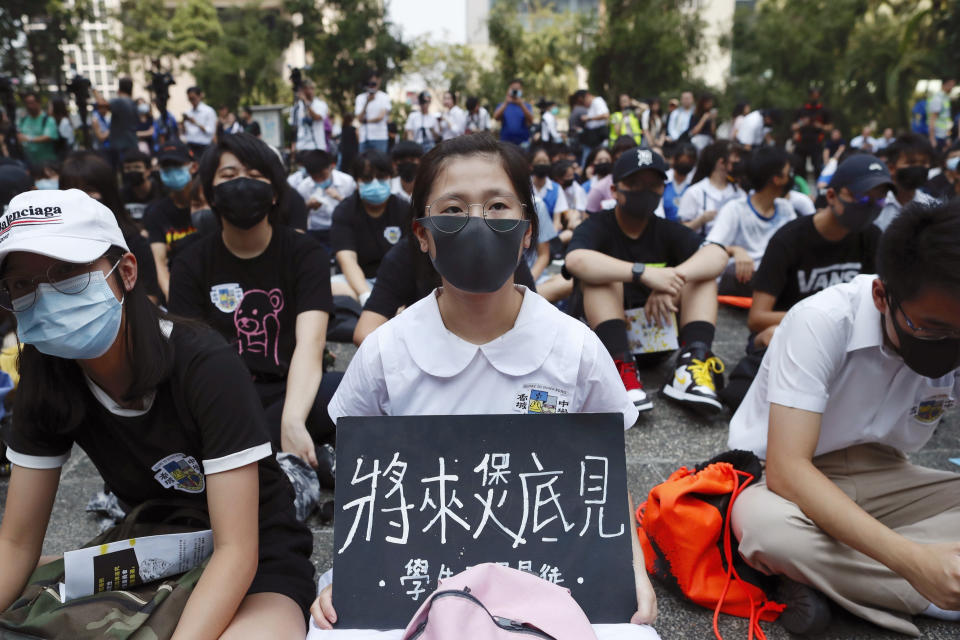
(371, 161)
(52, 393)
(88, 171)
(135, 155)
(909, 144)
(453, 95)
(592, 156)
(195, 89)
(125, 85)
(921, 249)
(535, 149)
(774, 114)
(59, 106)
(558, 169)
(253, 153)
(315, 161)
(27, 94)
(373, 73)
(709, 157)
(740, 109)
(511, 159)
(623, 143)
(423, 97)
(406, 150)
(764, 165)
(472, 103)
(517, 81)
(685, 149)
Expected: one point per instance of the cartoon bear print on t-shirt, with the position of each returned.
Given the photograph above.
(257, 319)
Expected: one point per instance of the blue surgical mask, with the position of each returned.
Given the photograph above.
(175, 178)
(326, 184)
(73, 326)
(952, 163)
(47, 183)
(375, 191)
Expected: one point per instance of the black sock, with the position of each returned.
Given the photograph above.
(613, 335)
(697, 331)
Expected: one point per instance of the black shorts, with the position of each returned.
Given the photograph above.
(284, 565)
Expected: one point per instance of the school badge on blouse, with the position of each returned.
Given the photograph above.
(226, 297)
(179, 471)
(392, 234)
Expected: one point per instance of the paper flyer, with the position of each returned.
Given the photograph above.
(646, 336)
(127, 563)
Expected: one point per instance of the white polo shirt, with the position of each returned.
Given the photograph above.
(453, 123)
(205, 116)
(828, 357)
(424, 126)
(751, 129)
(372, 106)
(547, 363)
(576, 196)
(703, 196)
(322, 216)
(891, 208)
(738, 223)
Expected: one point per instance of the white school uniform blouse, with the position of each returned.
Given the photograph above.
(547, 363)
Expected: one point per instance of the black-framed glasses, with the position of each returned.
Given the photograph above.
(19, 293)
(920, 333)
(449, 214)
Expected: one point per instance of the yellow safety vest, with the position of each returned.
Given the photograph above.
(632, 123)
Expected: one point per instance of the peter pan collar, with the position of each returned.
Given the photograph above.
(520, 351)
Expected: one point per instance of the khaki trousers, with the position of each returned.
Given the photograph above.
(921, 504)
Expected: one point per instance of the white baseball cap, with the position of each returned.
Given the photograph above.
(66, 225)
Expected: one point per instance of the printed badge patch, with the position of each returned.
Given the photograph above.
(931, 409)
(181, 472)
(541, 399)
(226, 297)
(392, 234)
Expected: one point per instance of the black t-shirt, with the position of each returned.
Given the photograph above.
(353, 229)
(799, 261)
(664, 243)
(123, 124)
(398, 284)
(254, 303)
(167, 223)
(809, 135)
(252, 127)
(137, 206)
(294, 212)
(205, 418)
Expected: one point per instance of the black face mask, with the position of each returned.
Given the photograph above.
(602, 169)
(929, 358)
(566, 184)
(541, 170)
(243, 202)
(683, 168)
(133, 178)
(476, 258)
(912, 178)
(858, 216)
(640, 205)
(407, 171)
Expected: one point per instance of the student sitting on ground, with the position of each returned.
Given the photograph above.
(745, 225)
(855, 376)
(711, 188)
(627, 257)
(679, 178)
(479, 330)
(543, 187)
(266, 289)
(104, 368)
(322, 188)
(812, 253)
(405, 157)
(365, 226)
(600, 194)
(909, 159)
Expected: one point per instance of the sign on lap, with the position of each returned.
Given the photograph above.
(420, 498)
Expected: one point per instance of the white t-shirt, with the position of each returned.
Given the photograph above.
(597, 107)
(750, 130)
(423, 126)
(396, 188)
(678, 122)
(479, 121)
(413, 365)
(739, 224)
(828, 357)
(891, 208)
(859, 141)
(801, 203)
(453, 123)
(204, 115)
(378, 105)
(65, 130)
(576, 196)
(560, 205)
(310, 132)
(703, 196)
(548, 128)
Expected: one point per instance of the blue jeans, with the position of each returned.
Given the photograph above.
(379, 145)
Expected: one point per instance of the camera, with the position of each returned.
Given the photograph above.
(296, 79)
(160, 82)
(515, 93)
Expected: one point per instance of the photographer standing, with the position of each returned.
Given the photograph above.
(199, 123)
(307, 116)
(515, 115)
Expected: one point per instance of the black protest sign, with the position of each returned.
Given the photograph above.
(421, 498)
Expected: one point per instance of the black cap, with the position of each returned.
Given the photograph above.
(859, 173)
(174, 152)
(14, 180)
(638, 159)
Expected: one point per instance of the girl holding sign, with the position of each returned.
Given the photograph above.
(164, 409)
(479, 344)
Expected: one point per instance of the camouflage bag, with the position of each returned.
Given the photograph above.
(145, 612)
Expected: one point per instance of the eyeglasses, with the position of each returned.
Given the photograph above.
(19, 293)
(449, 214)
(866, 200)
(930, 335)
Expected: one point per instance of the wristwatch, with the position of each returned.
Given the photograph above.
(638, 269)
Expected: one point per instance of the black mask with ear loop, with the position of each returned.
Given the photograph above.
(929, 358)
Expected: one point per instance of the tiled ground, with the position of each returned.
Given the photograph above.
(663, 440)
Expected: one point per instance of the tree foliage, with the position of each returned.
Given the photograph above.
(37, 49)
(540, 45)
(347, 39)
(454, 67)
(646, 48)
(151, 31)
(245, 65)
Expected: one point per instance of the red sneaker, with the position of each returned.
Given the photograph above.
(635, 392)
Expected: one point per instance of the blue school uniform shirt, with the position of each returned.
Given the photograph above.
(671, 199)
(514, 125)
